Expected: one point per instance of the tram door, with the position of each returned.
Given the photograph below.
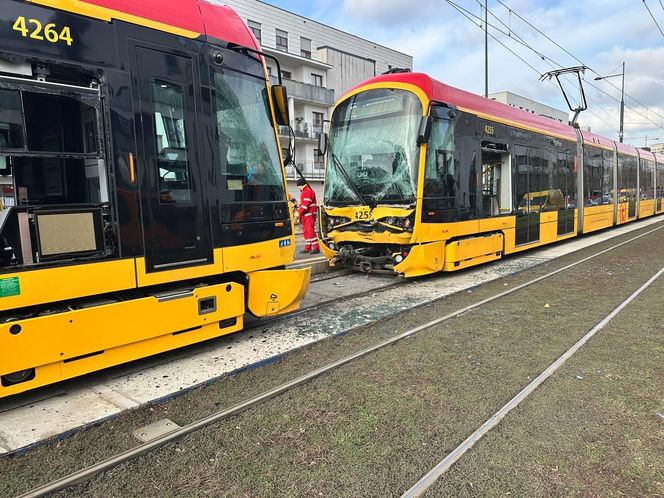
(169, 166)
(496, 179)
(528, 196)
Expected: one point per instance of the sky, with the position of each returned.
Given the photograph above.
(601, 34)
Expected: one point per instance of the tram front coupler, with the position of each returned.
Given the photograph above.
(371, 258)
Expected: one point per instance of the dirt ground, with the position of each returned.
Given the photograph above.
(374, 427)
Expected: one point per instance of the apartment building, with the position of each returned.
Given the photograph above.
(319, 64)
(657, 148)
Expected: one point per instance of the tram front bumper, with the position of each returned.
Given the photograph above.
(275, 292)
(423, 259)
(411, 261)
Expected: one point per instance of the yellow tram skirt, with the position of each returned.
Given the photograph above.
(65, 345)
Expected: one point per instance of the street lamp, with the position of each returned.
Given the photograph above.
(622, 97)
(645, 139)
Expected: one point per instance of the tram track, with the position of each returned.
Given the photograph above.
(395, 281)
(421, 487)
(120, 458)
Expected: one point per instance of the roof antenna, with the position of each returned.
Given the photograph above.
(583, 105)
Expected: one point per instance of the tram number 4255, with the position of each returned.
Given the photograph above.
(33, 28)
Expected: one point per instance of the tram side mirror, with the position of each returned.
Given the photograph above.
(323, 142)
(425, 130)
(280, 99)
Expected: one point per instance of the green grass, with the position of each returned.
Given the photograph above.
(373, 427)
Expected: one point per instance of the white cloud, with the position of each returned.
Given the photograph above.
(390, 12)
(601, 33)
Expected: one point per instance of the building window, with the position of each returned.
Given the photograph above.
(282, 40)
(317, 120)
(305, 47)
(318, 160)
(255, 28)
(316, 79)
(286, 75)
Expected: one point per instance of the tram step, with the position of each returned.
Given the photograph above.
(473, 251)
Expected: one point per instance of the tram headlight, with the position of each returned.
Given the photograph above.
(334, 221)
(398, 258)
(405, 223)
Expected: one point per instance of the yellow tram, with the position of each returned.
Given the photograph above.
(422, 177)
(144, 197)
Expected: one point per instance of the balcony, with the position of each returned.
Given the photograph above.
(296, 60)
(312, 170)
(302, 129)
(309, 93)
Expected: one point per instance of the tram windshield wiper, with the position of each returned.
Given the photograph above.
(348, 179)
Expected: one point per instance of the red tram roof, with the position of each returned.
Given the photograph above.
(186, 17)
(437, 91)
(646, 154)
(594, 139)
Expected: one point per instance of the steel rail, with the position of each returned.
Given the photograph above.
(87, 473)
(326, 302)
(423, 485)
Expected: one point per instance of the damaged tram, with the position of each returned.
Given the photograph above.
(422, 177)
(144, 202)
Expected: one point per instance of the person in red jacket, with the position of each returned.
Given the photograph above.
(307, 215)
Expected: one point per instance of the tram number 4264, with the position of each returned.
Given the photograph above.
(33, 28)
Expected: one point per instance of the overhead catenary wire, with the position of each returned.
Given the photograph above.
(467, 15)
(653, 17)
(511, 11)
(537, 71)
(517, 38)
(545, 58)
(566, 77)
(611, 117)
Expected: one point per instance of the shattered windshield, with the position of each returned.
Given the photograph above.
(250, 161)
(373, 149)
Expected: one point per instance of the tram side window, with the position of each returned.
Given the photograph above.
(607, 176)
(450, 185)
(522, 171)
(171, 140)
(11, 120)
(626, 178)
(597, 187)
(50, 146)
(542, 195)
(531, 179)
(646, 179)
(564, 181)
(440, 171)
